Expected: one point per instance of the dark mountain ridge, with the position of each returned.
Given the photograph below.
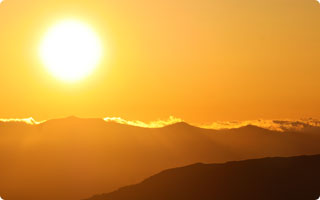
(264, 179)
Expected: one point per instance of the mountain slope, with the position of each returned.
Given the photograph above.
(263, 179)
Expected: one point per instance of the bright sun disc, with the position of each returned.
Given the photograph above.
(70, 50)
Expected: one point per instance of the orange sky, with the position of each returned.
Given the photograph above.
(201, 61)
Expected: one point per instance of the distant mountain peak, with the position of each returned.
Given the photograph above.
(73, 120)
(180, 125)
(72, 117)
(253, 127)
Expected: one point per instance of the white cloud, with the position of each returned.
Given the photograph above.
(153, 124)
(27, 121)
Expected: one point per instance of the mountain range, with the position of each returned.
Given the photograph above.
(74, 158)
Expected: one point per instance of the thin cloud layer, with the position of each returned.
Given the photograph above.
(275, 125)
(153, 124)
(30, 121)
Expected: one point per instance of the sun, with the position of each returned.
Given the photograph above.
(70, 50)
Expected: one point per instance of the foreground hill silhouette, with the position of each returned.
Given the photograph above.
(295, 178)
(74, 158)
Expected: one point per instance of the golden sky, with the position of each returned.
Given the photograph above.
(201, 61)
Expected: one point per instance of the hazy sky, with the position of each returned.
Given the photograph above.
(201, 60)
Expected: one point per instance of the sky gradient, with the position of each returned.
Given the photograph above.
(200, 61)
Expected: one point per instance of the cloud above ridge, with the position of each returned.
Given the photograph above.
(153, 124)
(30, 121)
(275, 125)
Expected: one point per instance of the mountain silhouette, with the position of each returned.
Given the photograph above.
(74, 158)
(295, 178)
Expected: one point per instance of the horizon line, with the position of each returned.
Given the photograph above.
(274, 124)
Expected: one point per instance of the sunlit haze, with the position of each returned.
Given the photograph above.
(201, 61)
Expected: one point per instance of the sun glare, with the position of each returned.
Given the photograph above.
(70, 50)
